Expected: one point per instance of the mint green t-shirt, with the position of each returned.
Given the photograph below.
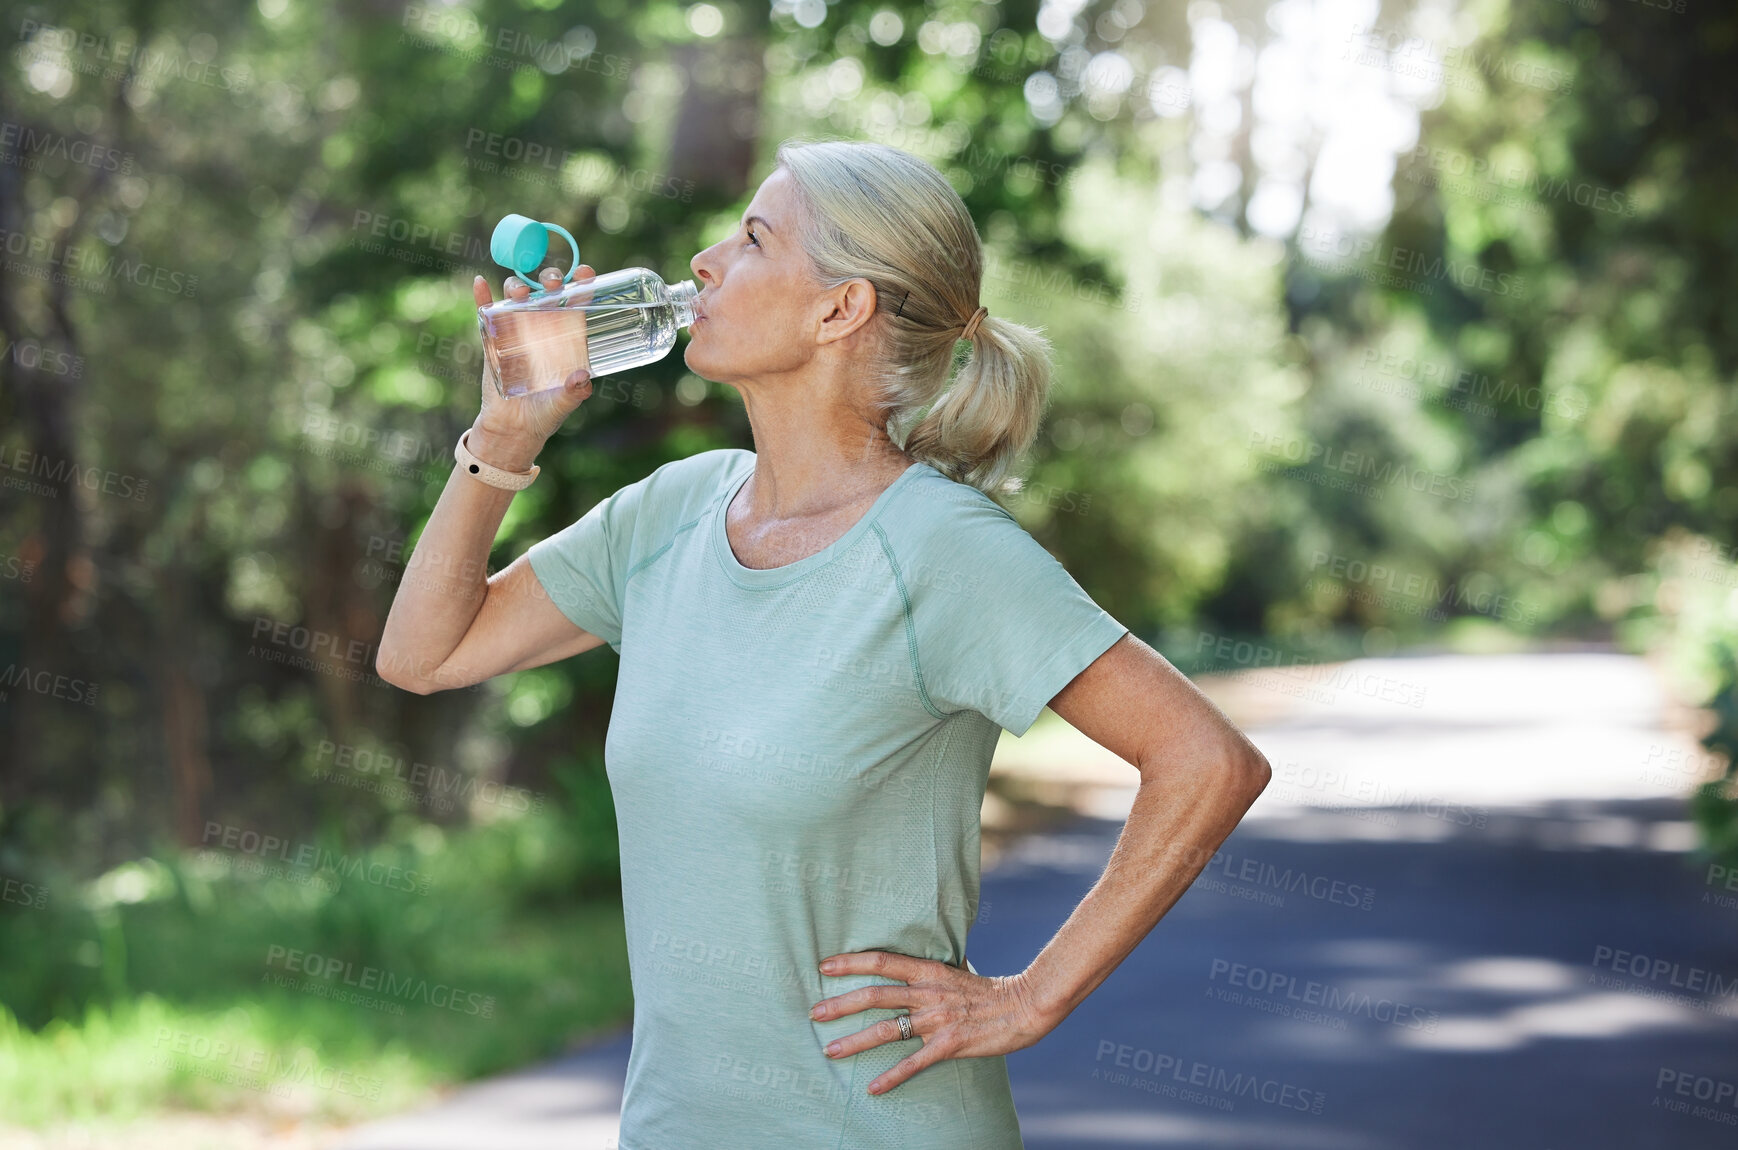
(798, 758)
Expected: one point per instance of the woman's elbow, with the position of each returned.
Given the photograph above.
(395, 667)
(1234, 766)
(1251, 769)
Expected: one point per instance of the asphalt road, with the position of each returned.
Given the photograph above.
(1465, 914)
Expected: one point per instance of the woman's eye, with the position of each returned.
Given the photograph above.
(752, 238)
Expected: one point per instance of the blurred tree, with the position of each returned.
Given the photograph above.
(276, 345)
(1608, 194)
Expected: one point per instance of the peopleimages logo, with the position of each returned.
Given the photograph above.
(1304, 452)
(92, 54)
(1721, 1096)
(446, 788)
(330, 968)
(1291, 994)
(49, 683)
(23, 144)
(64, 472)
(1376, 582)
(1486, 180)
(40, 253)
(1290, 880)
(1184, 1072)
(1379, 799)
(310, 857)
(21, 893)
(1230, 653)
(257, 1068)
(1692, 978)
(1373, 254)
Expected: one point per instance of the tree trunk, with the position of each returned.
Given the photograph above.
(718, 123)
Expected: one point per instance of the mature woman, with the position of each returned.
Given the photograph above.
(820, 642)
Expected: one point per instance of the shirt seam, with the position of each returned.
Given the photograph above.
(946, 740)
(611, 547)
(910, 626)
(653, 557)
(941, 746)
(699, 517)
(965, 1105)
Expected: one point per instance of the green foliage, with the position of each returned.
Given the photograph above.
(103, 981)
(1685, 605)
(1611, 199)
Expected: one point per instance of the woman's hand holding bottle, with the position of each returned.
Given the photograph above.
(509, 432)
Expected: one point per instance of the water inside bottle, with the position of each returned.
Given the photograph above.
(537, 349)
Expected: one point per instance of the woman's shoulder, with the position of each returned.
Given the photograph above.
(703, 468)
(675, 493)
(936, 504)
(944, 521)
(686, 485)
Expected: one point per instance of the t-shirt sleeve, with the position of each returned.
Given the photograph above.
(1005, 627)
(584, 566)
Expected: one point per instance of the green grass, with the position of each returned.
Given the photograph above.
(146, 991)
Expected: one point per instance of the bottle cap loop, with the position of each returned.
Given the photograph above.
(520, 244)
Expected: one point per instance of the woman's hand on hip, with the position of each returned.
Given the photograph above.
(958, 1014)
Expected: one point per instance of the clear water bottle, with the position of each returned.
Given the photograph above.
(623, 319)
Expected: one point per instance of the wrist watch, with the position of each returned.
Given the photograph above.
(490, 474)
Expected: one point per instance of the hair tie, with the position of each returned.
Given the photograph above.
(972, 324)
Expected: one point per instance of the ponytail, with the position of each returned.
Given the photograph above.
(989, 414)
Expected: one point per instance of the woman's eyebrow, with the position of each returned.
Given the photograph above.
(761, 220)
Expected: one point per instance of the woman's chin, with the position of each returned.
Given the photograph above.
(697, 363)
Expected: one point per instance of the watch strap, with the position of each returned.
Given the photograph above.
(488, 473)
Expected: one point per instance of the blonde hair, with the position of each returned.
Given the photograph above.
(881, 214)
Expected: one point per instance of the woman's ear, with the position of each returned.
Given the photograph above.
(852, 306)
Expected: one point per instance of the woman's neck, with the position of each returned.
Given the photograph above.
(807, 472)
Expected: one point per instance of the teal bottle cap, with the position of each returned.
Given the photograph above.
(520, 243)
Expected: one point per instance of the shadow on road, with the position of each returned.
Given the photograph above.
(1533, 982)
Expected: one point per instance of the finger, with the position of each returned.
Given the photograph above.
(481, 293)
(516, 287)
(576, 388)
(900, 966)
(924, 1058)
(551, 278)
(862, 999)
(584, 272)
(887, 1030)
(556, 404)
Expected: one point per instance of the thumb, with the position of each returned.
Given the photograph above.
(575, 389)
(552, 405)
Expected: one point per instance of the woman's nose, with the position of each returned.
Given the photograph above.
(706, 262)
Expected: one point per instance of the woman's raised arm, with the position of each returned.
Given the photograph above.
(451, 625)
